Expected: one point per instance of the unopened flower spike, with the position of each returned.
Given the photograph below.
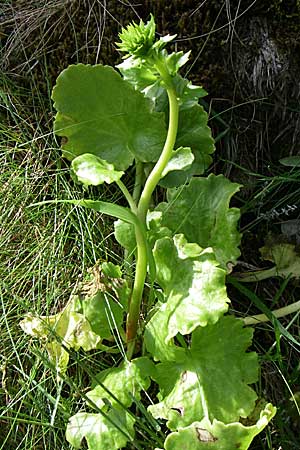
(137, 40)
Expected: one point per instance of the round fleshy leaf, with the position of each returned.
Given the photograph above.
(102, 114)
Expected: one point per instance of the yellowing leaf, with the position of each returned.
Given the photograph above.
(205, 435)
(109, 432)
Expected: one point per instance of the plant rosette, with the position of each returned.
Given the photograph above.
(146, 115)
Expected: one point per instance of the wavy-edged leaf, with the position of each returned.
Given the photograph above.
(89, 169)
(124, 382)
(101, 433)
(101, 113)
(193, 284)
(212, 379)
(200, 210)
(205, 435)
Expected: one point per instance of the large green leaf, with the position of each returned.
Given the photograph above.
(201, 212)
(211, 380)
(205, 435)
(124, 383)
(193, 284)
(101, 433)
(102, 114)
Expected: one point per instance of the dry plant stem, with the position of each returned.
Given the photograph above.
(259, 275)
(281, 312)
(143, 206)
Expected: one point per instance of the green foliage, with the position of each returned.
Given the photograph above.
(192, 385)
(182, 248)
(88, 169)
(107, 117)
(192, 283)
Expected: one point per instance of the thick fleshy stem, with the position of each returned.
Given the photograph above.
(157, 171)
(143, 206)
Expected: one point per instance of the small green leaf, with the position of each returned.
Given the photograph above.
(101, 433)
(181, 159)
(125, 235)
(91, 170)
(290, 161)
(201, 212)
(210, 379)
(124, 383)
(155, 229)
(102, 114)
(193, 132)
(193, 284)
(205, 435)
(137, 39)
(176, 60)
(111, 270)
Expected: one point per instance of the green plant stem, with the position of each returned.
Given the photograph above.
(138, 181)
(137, 293)
(128, 196)
(156, 172)
(151, 183)
(281, 312)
